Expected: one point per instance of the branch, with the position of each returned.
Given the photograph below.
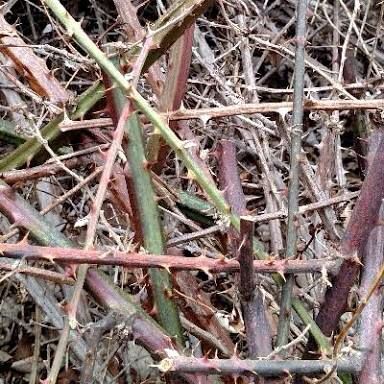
(51, 131)
(276, 107)
(363, 219)
(370, 326)
(257, 367)
(147, 211)
(293, 191)
(259, 338)
(144, 260)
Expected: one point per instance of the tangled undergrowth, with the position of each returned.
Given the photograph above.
(182, 139)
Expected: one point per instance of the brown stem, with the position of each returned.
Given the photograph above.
(363, 219)
(259, 336)
(22, 175)
(138, 260)
(258, 367)
(370, 326)
(259, 339)
(55, 277)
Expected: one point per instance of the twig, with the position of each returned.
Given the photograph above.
(207, 336)
(277, 107)
(67, 126)
(95, 210)
(102, 326)
(15, 176)
(194, 235)
(59, 355)
(293, 193)
(36, 348)
(56, 277)
(69, 193)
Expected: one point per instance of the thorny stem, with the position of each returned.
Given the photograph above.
(144, 260)
(293, 195)
(75, 30)
(148, 215)
(260, 367)
(96, 207)
(344, 332)
(370, 325)
(152, 232)
(26, 151)
(256, 322)
(90, 236)
(259, 339)
(278, 107)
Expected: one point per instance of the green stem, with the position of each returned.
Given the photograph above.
(152, 232)
(25, 152)
(307, 319)
(8, 133)
(149, 217)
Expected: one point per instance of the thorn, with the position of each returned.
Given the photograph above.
(153, 311)
(48, 257)
(191, 175)
(205, 358)
(52, 72)
(147, 165)
(66, 118)
(355, 258)
(168, 293)
(65, 306)
(24, 240)
(166, 267)
(70, 270)
(235, 352)
(271, 259)
(281, 273)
